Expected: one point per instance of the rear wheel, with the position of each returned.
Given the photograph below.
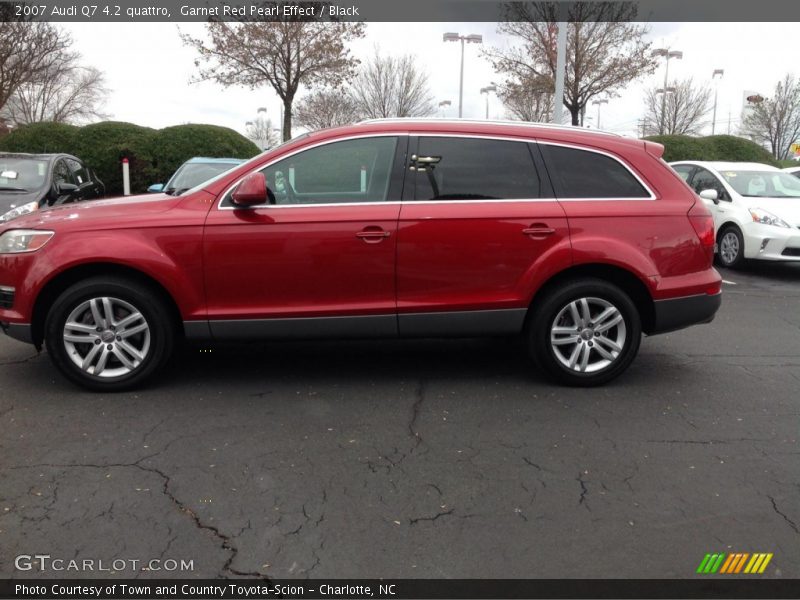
(585, 332)
(108, 334)
(731, 247)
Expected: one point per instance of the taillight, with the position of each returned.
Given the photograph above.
(703, 223)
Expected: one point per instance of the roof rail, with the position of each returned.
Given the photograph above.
(487, 122)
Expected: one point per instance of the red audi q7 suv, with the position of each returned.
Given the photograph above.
(578, 240)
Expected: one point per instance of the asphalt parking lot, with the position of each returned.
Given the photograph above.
(419, 458)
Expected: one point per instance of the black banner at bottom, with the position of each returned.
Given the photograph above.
(338, 589)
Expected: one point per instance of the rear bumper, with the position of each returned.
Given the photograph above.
(18, 331)
(677, 313)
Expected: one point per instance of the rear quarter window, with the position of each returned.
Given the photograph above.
(580, 173)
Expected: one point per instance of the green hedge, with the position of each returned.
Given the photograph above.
(153, 154)
(171, 146)
(41, 138)
(713, 147)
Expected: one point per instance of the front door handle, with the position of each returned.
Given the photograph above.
(538, 230)
(373, 235)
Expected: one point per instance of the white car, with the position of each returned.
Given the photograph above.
(756, 208)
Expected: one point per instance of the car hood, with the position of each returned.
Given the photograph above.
(787, 209)
(114, 210)
(13, 199)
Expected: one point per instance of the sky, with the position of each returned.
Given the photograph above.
(148, 70)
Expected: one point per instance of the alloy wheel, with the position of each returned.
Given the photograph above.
(588, 335)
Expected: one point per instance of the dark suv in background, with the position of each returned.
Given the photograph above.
(29, 182)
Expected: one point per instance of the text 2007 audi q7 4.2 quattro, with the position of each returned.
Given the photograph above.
(580, 241)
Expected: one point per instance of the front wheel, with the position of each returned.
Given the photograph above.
(731, 247)
(585, 332)
(108, 334)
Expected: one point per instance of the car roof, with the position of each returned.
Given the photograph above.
(207, 159)
(522, 129)
(727, 166)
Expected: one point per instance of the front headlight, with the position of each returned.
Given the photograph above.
(17, 241)
(25, 209)
(767, 218)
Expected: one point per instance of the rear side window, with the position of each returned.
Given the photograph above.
(473, 169)
(584, 174)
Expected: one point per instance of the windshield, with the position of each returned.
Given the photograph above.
(22, 174)
(763, 184)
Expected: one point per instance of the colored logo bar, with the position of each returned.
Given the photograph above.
(734, 563)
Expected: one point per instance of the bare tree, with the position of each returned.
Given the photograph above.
(283, 54)
(527, 102)
(392, 86)
(28, 51)
(327, 108)
(605, 51)
(262, 132)
(776, 121)
(66, 93)
(684, 109)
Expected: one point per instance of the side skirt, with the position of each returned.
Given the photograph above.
(439, 324)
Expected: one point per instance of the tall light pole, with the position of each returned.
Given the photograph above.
(664, 91)
(444, 103)
(473, 38)
(719, 72)
(667, 54)
(598, 103)
(486, 90)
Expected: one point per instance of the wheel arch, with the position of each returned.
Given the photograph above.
(626, 280)
(63, 280)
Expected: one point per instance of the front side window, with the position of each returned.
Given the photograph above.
(705, 180)
(683, 171)
(62, 174)
(473, 169)
(348, 171)
(585, 174)
(78, 171)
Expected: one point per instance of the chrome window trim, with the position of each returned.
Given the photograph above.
(507, 138)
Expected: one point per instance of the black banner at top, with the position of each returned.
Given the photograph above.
(397, 10)
(339, 589)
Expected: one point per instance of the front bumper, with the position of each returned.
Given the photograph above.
(18, 331)
(677, 313)
(765, 242)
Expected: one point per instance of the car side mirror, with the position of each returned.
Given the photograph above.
(251, 191)
(65, 188)
(712, 195)
(156, 188)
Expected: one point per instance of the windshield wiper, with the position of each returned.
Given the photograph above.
(180, 191)
(12, 189)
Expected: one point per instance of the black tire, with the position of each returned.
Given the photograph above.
(600, 295)
(733, 241)
(160, 332)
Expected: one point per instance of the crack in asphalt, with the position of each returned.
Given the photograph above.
(225, 540)
(446, 513)
(19, 361)
(791, 523)
(584, 492)
(419, 396)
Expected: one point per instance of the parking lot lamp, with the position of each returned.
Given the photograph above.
(598, 103)
(473, 38)
(486, 90)
(720, 73)
(667, 54)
